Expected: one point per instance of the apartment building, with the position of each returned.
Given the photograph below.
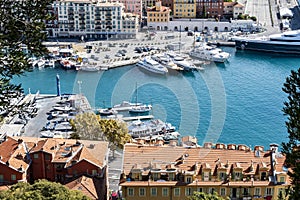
(91, 20)
(173, 172)
(209, 8)
(14, 161)
(61, 160)
(158, 16)
(233, 9)
(184, 8)
(131, 6)
(238, 9)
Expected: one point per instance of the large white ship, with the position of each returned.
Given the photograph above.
(287, 42)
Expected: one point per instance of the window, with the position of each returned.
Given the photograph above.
(257, 192)
(223, 192)
(35, 156)
(130, 192)
(94, 172)
(188, 179)
(222, 176)
(269, 191)
(165, 192)
(142, 192)
(206, 176)
(47, 157)
(281, 179)
(13, 177)
(153, 191)
(177, 192)
(1, 177)
(155, 176)
(171, 177)
(188, 191)
(246, 191)
(211, 190)
(200, 189)
(237, 175)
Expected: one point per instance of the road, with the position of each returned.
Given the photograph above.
(259, 9)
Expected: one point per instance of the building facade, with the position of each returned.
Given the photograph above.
(210, 8)
(233, 9)
(172, 172)
(184, 8)
(197, 25)
(90, 20)
(160, 15)
(14, 161)
(60, 160)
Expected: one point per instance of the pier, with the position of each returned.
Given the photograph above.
(138, 117)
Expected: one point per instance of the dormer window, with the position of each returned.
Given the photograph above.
(263, 176)
(222, 176)
(237, 176)
(206, 176)
(188, 179)
(155, 176)
(171, 176)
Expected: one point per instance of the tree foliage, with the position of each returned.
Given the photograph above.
(21, 25)
(205, 196)
(86, 126)
(291, 149)
(41, 190)
(115, 131)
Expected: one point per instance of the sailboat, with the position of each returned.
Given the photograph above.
(138, 108)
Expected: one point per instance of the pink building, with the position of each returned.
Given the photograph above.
(131, 6)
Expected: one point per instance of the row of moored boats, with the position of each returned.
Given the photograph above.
(161, 63)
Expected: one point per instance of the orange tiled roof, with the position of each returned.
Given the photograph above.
(185, 158)
(239, 5)
(66, 150)
(85, 185)
(13, 154)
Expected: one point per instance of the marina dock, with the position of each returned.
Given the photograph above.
(138, 117)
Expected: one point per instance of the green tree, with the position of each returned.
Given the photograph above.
(116, 132)
(40, 190)
(291, 149)
(22, 25)
(86, 126)
(205, 196)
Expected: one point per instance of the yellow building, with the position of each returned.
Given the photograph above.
(184, 8)
(158, 13)
(173, 172)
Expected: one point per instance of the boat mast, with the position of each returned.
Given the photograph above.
(136, 95)
(179, 38)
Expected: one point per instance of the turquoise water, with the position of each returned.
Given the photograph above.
(237, 102)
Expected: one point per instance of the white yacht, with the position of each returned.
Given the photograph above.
(151, 65)
(206, 52)
(153, 127)
(140, 109)
(181, 61)
(165, 60)
(286, 42)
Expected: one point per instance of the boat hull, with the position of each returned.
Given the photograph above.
(268, 46)
(151, 69)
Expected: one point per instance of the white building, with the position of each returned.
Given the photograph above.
(191, 24)
(92, 20)
(243, 25)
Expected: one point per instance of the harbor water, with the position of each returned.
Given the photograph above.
(237, 102)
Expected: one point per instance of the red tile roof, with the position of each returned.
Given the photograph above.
(13, 154)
